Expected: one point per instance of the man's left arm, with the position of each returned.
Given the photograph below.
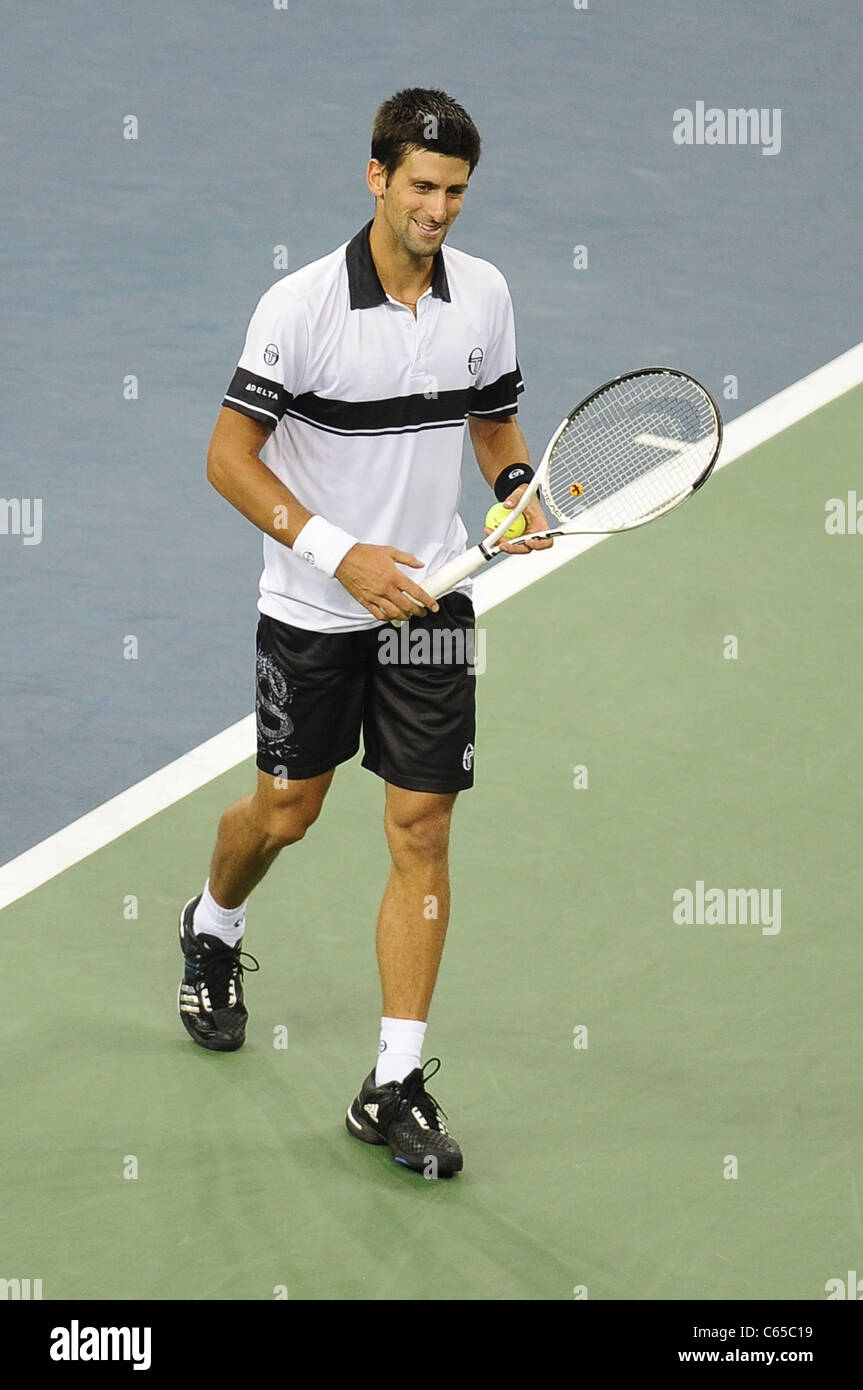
(498, 444)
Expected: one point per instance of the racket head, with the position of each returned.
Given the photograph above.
(636, 447)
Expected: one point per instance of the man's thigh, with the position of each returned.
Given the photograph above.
(419, 724)
(309, 695)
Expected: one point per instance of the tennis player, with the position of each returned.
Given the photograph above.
(358, 374)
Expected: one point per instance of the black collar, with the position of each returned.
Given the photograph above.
(364, 285)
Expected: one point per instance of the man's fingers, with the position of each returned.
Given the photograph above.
(411, 605)
(526, 544)
(403, 557)
(514, 496)
(420, 597)
(538, 542)
(390, 611)
(536, 521)
(398, 604)
(409, 597)
(407, 590)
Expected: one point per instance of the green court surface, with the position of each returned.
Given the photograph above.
(599, 1166)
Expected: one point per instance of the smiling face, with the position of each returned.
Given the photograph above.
(420, 201)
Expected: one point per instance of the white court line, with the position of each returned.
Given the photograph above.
(194, 769)
(138, 803)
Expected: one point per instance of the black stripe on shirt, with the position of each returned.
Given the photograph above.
(398, 414)
(389, 415)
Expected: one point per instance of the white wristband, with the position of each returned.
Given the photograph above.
(323, 545)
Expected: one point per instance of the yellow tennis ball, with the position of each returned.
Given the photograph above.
(499, 513)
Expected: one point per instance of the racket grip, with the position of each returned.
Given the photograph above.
(451, 573)
(454, 571)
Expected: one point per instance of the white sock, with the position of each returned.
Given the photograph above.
(227, 923)
(401, 1049)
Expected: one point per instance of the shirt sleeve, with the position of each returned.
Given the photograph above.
(498, 379)
(273, 361)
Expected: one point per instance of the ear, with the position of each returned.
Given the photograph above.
(376, 178)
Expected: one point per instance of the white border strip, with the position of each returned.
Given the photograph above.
(194, 769)
(133, 806)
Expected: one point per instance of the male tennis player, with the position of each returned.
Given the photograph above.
(359, 371)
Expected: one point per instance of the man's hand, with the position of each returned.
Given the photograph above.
(536, 521)
(369, 574)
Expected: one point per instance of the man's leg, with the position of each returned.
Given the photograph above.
(419, 727)
(415, 909)
(393, 1106)
(251, 834)
(254, 830)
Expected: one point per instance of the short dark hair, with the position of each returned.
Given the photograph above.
(421, 118)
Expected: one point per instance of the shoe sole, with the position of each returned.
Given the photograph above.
(211, 1045)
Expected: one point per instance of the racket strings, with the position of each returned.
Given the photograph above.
(630, 451)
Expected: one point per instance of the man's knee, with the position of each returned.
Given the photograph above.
(287, 825)
(287, 813)
(419, 827)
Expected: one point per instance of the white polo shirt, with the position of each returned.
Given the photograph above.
(368, 406)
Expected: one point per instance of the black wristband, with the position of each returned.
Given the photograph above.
(511, 478)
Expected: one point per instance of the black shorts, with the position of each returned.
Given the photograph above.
(410, 690)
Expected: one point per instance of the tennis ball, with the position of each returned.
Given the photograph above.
(499, 513)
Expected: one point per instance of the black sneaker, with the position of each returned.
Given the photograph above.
(403, 1115)
(210, 998)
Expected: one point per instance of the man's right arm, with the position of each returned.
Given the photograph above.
(239, 474)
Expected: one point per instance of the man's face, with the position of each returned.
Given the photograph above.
(422, 198)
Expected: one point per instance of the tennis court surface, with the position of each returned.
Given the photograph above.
(709, 1047)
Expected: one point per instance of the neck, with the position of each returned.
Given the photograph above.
(402, 274)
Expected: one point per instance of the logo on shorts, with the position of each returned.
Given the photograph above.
(275, 726)
(474, 361)
(382, 1046)
(467, 758)
(271, 354)
(308, 557)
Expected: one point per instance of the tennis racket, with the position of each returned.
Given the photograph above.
(633, 450)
